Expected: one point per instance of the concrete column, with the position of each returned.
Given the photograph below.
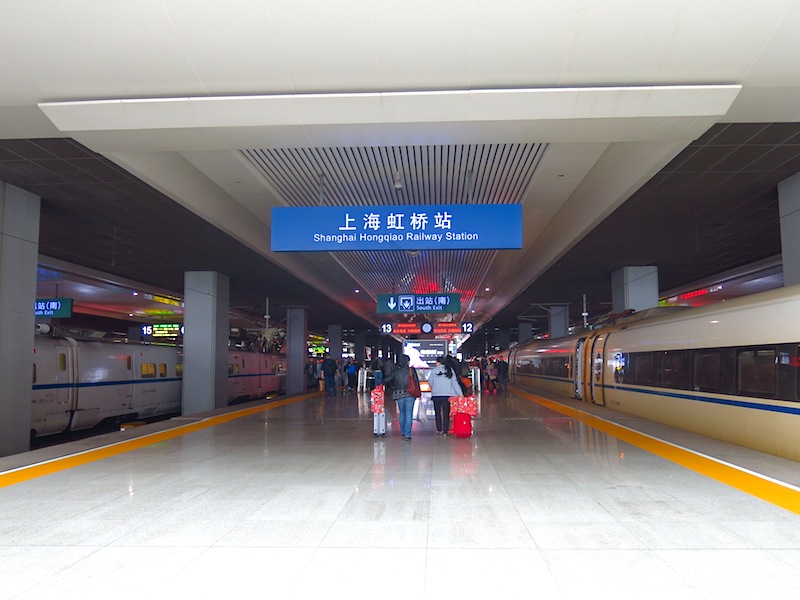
(205, 341)
(634, 287)
(558, 320)
(335, 339)
(296, 349)
(360, 347)
(525, 331)
(789, 210)
(503, 339)
(19, 257)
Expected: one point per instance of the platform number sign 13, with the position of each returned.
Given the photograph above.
(467, 327)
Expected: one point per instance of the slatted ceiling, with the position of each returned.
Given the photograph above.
(365, 176)
(430, 174)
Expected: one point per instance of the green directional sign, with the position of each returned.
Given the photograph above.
(53, 307)
(418, 303)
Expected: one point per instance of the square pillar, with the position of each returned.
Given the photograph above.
(19, 257)
(205, 341)
(634, 287)
(789, 210)
(296, 349)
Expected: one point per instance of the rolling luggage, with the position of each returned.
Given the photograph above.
(379, 424)
(376, 405)
(462, 425)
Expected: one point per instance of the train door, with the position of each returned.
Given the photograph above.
(54, 393)
(578, 368)
(129, 377)
(597, 395)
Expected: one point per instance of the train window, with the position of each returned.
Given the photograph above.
(162, 369)
(34, 372)
(178, 369)
(643, 369)
(670, 369)
(62, 362)
(707, 372)
(233, 369)
(148, 370)
(756, 372)
(129, 362)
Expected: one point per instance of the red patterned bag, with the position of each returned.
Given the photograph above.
(467, 405)
(376, 397)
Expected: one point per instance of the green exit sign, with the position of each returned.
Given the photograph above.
(58, 308)
(418, 303)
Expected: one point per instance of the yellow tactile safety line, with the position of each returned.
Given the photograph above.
(63, 463)
(776, 492)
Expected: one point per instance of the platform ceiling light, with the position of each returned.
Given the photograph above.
(398, 182)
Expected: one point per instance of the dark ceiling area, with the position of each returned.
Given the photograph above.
(96, 215)
(712, 209)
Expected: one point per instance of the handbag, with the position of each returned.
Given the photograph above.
(413, 385)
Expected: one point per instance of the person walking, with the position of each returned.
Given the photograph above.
(443, 385)
(405, 402)
(329, 372)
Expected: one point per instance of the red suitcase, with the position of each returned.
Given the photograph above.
(462, 425)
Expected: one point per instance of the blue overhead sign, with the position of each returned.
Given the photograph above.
(415, 227)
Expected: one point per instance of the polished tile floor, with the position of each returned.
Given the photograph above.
(301, 501)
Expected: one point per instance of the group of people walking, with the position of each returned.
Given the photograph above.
(334, 374)
(445, 380)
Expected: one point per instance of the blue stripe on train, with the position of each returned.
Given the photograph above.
(684, 396)
(92, 384)
(97, 384)
(710, 399)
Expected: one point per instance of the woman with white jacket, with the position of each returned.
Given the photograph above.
(444, 383)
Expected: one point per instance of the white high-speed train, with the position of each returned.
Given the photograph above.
(80, 384)
(727, 370)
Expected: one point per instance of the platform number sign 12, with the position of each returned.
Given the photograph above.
(467, 327)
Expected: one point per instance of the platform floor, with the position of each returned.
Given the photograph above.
(299, 500)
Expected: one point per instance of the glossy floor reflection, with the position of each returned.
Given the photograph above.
(303, 501)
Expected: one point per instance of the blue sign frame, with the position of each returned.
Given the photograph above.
(412, 227)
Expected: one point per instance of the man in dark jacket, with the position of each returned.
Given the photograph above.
(329, 372)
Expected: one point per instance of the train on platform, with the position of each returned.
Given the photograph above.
(729, 371)
(80, 384)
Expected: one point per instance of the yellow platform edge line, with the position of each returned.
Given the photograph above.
(63, 463)
(775, 492)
